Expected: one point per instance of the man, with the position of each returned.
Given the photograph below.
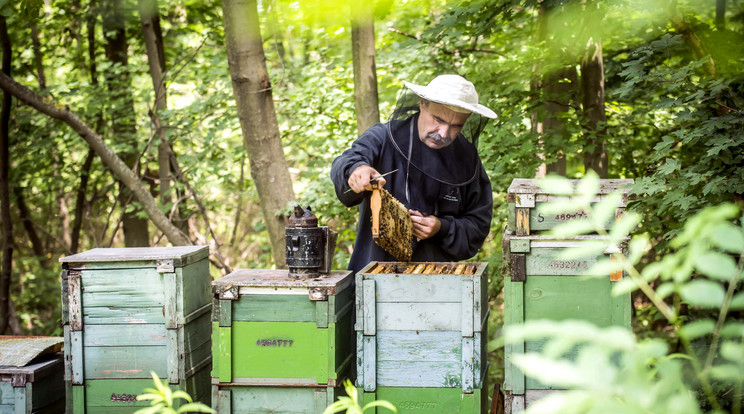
(431, 141)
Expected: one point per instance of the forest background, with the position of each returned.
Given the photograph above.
(224, 141)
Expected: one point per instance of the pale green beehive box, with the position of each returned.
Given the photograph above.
(421, 332)
(525, 197)
(130, 311)
(541, 286)
(31, 375)
(269, 329)
(246, 399)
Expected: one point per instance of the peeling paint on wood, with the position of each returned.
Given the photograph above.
(134, 318)
(416, 326)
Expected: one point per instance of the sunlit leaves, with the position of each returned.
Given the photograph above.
(704, 293)
(716, 265)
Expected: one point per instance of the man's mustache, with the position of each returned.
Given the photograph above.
(439, 139)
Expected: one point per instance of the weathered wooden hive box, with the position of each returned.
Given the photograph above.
(280, 344)
(421, 335)
(130, 311)
(541, 286)
(31, 375)
(246, 399)
(525, 197)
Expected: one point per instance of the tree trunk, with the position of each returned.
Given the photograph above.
(252, 90)
(593, 108)
(536, 124)
(28, 224)
(365, 71)
(6, 270)
(80, 201)
(107, 155)
(558, 93)
(122, 112)
(150, 19)
(691, 38)
(720, 15)
(38, 58)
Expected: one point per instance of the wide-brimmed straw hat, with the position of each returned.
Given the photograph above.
(452, 90)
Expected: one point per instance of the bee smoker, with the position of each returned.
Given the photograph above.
(310, 247)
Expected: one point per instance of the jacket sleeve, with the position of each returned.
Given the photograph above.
(462, 236)
(364, 151)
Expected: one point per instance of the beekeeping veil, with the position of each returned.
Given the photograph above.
(457, 94)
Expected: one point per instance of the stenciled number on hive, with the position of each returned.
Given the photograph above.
(275, 343)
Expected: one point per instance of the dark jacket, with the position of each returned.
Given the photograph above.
(464, 211)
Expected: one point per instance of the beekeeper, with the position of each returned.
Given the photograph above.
(431, 140)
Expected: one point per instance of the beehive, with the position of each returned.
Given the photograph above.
(31, 379)
(541, 286)
(525, 196)
(245, 399)
(410, 400)
(269, 329)
(422, 327)
(130, 311)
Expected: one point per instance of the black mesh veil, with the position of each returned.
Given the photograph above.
(408, 106)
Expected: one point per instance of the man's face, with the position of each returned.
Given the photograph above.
(438, 125)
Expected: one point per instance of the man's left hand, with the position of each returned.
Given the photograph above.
(424, 227)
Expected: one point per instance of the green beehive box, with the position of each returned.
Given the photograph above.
(541, 286)
(422, 325)
(31, 375)
(131, 311)
(246, 399)
(413, 400)
(269, 329)
(525, 197)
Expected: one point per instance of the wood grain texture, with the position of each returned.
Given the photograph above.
(170, 296)
(522, 221)
(274, 400)
(467, 303)
(467, 366)
(75, 304)
(224, 354)
(77, 360)
(125, 362)
(428, 400)
(274, 308)
(369, 362)
(194, 288)
(419, 316)
(369, 300)
(418, 288)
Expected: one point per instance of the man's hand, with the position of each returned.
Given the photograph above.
(424, 227)
(359, 180)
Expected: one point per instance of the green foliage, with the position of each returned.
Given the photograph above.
(163, 400)
(350, 404)
(615, 372)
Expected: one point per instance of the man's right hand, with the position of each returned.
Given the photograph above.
(360, 178)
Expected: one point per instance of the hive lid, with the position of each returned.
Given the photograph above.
(18, 351)
(530, 186)
(181, 255)
(278, 280)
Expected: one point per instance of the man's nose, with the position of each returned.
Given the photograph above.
(444, 130)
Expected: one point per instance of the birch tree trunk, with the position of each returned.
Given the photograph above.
(122, 102)
(593, 108)
(365, 70)
(252, 91)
